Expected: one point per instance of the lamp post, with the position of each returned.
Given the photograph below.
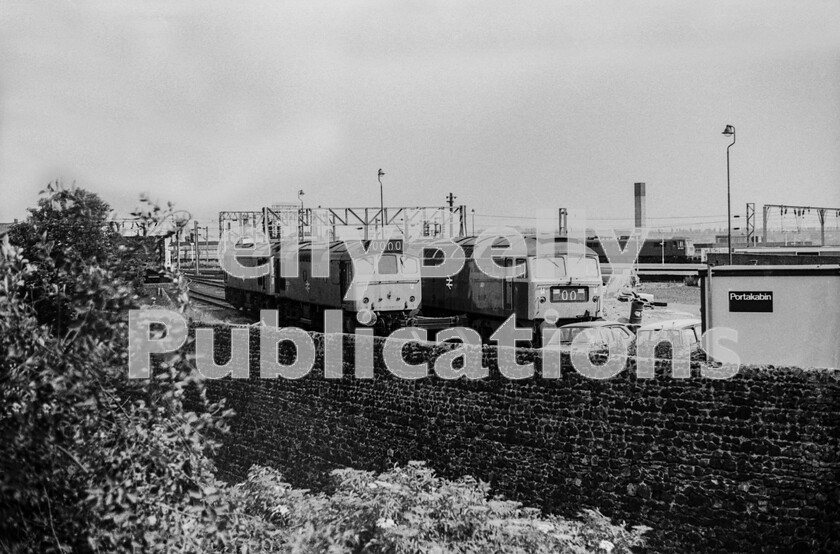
(473, 221)
(729, 131)
(381, 198)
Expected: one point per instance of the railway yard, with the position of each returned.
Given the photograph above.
(683, 302)
(402, 275)
(419, 277)
(668, 437)
(665, 389)
(420, 267)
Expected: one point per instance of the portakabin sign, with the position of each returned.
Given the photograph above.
(750, 301)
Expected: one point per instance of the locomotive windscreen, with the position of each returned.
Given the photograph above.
(582, 266)
(388, 264)
(548, 268)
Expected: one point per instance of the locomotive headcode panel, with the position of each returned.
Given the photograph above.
(569, 294)
(390, 246)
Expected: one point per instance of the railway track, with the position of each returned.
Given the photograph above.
(209, 281)
(209, 299)
(208, 296)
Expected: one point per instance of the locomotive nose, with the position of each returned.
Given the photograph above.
(393, 296)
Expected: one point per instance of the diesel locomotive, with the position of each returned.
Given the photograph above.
(672, 250)
(562, 284)
(377, 291)
(556, 283)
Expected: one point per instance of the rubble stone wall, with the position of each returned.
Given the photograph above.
(743, 464)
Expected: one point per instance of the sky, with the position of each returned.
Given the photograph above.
(238, 105)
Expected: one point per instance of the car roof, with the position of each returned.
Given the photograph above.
(598, 323)
(670, 324)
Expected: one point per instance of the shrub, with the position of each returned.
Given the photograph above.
(88, 459)
(409, 509)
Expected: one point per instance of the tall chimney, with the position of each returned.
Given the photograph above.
(641, 214)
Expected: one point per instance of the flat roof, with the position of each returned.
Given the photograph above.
(771, 270)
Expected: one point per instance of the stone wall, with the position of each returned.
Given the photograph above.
(745, 464)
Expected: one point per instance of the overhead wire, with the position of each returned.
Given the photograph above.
(496, 216)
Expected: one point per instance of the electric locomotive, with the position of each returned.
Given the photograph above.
(561, 287)
(377, 291)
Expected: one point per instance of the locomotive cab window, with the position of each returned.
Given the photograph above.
(548, 268)
(388, 264)
(409, 265)
(508, 265)
(583, 267)
(432, 257)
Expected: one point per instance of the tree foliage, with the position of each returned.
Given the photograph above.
(91, 461)
(73, 220)
(67, 233)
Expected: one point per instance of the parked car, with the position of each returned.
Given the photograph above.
(689, 330)
(599, 335)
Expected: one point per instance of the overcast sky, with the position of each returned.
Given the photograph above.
(511, 106)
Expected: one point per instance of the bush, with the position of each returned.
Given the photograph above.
(409, 509)
(89, 461)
